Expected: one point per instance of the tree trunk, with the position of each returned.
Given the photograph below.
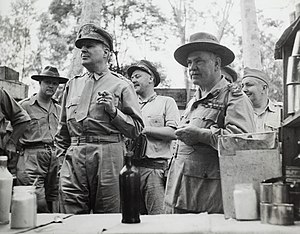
(90, 14)
(251, 42)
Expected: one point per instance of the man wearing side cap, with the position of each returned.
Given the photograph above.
(99, 109)
(217, 108)
(37, 162)
(161, 117)
(255, 83)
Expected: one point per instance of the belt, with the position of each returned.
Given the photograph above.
(38, 145)
(113, 138)
(151, 163)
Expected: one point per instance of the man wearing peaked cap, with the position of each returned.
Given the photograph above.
(161, 117)
(38, 160)
(255, 84)
(99, 109)
(92, 32)
(147, 67)
(217, 108)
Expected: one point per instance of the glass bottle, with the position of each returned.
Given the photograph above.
(6, 182)
(24, 207)
(245, 202)
(129, 191)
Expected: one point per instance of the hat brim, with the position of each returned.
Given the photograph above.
(78, 42)
(61, 80)
(133, 68)
(181, 53)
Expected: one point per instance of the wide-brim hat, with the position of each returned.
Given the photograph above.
(145, 66)
(92, 32)
(203, 41)
(50, 72)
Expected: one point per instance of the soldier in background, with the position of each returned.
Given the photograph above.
(229, 74)
(255, 84)
(37, 162)
(161, 117)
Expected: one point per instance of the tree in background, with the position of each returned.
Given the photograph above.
(15, 37)
(132, 22)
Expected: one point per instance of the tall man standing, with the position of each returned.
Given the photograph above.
(255, 84)
(37, 160)
(161, 117)
(218, 108)
(98, 110)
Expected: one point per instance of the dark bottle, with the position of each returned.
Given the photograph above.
(129, 191)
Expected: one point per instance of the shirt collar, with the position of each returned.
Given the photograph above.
(215, 90)
(34, 99)
(271, 106)
(151, 98)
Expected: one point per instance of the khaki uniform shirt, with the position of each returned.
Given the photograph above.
(159, 111)
(10, 110)
(205, 112)
(43, 124)
(127, 122)
(194, 183)
(269, 119)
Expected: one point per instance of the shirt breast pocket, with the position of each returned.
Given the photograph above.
(156, 121)
(36, 122)
(206, 118)
(71, 108)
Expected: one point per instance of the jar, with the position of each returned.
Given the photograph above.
(6, 182)
(24, 207)
(245, 202)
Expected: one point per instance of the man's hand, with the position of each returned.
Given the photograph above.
(192, 135)
(107, 99)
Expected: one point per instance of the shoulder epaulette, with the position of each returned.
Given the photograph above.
(118, 75)
(81, 75)
(235, 89)
(24, 100)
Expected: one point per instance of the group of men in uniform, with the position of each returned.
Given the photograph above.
(75, 151)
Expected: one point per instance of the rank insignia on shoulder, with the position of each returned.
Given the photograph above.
(235, 89)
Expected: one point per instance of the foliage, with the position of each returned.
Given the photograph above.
(139, 29)
(15, 37)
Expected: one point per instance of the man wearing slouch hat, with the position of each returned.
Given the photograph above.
(99, 109)
(217, 108)
(37, 162)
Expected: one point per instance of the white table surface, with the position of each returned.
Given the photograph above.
(150, 224)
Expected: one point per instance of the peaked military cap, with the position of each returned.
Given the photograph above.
(92, 32)
(145, 66)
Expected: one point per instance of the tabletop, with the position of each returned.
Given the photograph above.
(150, 224)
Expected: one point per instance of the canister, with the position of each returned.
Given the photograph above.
(24, 207)
(266, 190)
(281, 214)
(245, 202)
(265, 212)
(280, 193)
